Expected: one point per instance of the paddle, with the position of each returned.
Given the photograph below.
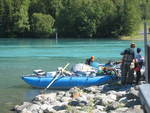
(56, 76)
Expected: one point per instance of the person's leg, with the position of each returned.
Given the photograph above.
(138, 76)
(130, 76)
(123, 74)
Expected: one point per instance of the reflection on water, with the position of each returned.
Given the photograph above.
(21, 56)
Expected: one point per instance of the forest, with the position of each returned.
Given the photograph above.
(72, 18)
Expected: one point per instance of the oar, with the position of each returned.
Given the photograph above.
(56, 76)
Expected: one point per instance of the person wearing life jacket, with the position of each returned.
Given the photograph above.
(127, 67)
(138, 64)
(90, 60)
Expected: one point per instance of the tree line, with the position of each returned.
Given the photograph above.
(71, 18)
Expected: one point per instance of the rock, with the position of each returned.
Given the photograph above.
(98, 111)
(75, 89)
(123, 100)
(101, 99)
(60, 93)
(45, 106)
(82, 103)
(99, 107)
(93, 89)
(58, 108)
(132, 93)
(119, 110)
(62, 111)
(142, 82)
(133, 102)
(99, 96)
(50, 110)
(82, 112)
(65, 99)
(136, 109)
(118, 94)
(104, 101)
(98, 101)
(136, 87)
(56, 103)
(33, 108)
(67, 94)
(25, 111)
(51, 97)
(90, 96)
(112, 97)
(24, 105)
(111, 92)
(109, 87)
(114, 106)
(101, 87)
(74, 103)
(36, 102)
(78, 102)
(82, 98)
(75, 92)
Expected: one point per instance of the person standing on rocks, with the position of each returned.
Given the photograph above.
(127, 67)
(138, 64)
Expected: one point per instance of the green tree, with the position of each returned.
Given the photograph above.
(131, 16)
(72, 18)
(1, 15)
(78, 18)
(106, 25)
(21, 18)
(6, 17)
(145, 9)
(53, 7)
(37, 6)
(42, 25)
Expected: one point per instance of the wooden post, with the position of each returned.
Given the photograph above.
(148, 62)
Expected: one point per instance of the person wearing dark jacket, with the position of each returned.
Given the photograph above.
(127, 67)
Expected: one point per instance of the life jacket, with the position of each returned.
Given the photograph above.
(128, 55)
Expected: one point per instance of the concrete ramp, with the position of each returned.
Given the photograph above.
(144, 93)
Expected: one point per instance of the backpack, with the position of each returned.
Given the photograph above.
(128, 55)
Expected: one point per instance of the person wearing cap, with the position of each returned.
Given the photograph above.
(127, 67)
(138, 64)
(90, 60)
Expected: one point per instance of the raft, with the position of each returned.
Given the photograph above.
(66, 82)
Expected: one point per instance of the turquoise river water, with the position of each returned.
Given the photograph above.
(21, 56)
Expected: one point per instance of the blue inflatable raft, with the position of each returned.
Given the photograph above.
(66, 82)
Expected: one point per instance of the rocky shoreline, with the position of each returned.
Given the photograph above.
(106, 98)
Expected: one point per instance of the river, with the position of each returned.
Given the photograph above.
(21, 56)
